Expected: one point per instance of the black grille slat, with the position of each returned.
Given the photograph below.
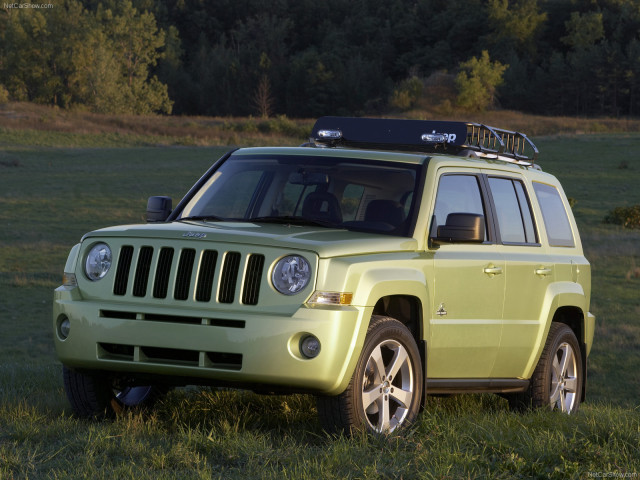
(183, 277)
(114, 351)
(163, 272)
(141, 279)
(205, 278)
(229, 277)
(252, 279)
(122, 272)
(171, 355)
(228, 361)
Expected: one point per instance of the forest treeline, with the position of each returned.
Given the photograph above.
(305, 58)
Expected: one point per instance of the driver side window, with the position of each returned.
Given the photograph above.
(458, 194)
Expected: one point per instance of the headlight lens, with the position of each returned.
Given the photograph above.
(291, 274)
(98, 262)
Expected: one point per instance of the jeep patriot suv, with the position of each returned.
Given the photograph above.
(381, 262)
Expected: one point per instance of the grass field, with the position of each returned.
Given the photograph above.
(51, 195)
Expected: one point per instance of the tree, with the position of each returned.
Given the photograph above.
(68, 55)
(583, 30)
(515, 26)
(95, 81)
(136, 42)
(262, 98)
(477, 82)
(407, 93)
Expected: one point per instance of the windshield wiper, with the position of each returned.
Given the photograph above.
(291, 220)
(202, 217)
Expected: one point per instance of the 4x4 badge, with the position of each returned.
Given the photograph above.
(441, 311)
(194, 235)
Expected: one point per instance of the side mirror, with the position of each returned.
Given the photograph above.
(461, 227)
(158, 209)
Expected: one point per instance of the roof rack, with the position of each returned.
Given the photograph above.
(457, 138)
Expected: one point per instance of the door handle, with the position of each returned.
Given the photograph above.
(543, 271)
(491, 270)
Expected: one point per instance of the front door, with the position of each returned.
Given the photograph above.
(469, 286)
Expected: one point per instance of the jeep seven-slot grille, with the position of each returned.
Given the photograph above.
(155, 268)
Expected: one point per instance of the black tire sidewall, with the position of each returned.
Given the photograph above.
(91, 394)
(540, 389)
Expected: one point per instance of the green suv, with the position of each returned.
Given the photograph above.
(384, 261)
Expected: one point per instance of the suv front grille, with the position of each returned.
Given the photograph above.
(157, 272)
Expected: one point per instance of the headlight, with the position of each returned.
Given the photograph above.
(291, 274)
(98, 262)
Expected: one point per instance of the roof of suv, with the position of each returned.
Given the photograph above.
(383, 156)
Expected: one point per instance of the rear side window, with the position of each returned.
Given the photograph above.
(512, 208)
(555, 216)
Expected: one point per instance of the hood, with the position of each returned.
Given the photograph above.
(323, 241)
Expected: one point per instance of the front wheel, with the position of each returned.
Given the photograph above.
(386, 388)
(558, 378)
(96, 395)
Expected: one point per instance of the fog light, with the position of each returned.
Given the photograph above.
(310, 346)
(64, 328)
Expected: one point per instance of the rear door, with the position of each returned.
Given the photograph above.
(528, 275)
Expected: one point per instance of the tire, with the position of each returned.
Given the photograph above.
(558, 378)
(94, 395)
(375, 400)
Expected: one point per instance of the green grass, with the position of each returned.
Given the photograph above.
(50, 196)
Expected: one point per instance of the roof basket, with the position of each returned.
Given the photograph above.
(427, 136)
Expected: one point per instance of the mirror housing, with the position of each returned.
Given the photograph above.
(461, 228)
(158, 209)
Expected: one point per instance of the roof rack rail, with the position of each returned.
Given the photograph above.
(427, 136)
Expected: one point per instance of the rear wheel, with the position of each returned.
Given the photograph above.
(97, 395)
(557, 380)
(385, 390)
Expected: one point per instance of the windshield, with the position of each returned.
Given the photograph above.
(345, 193)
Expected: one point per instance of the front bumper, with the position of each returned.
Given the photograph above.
(214, 346)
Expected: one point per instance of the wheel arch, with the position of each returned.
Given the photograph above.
(573, 317)
(400, 293)
(564, 302)
(407, 309)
